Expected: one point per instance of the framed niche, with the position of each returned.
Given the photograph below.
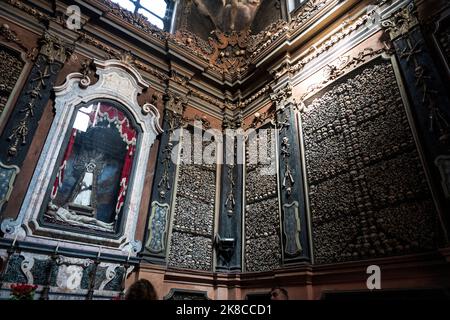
(88, 182)
(14, 67)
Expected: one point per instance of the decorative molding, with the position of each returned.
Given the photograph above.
(11, 36)
(158, 226)
(112, 53)
(260, 93)
(282, 97)
(111, 73)
(154, 72)
(11, 228)
(54, 49)
(199, 47)
(179, 78)
(141, 22)
(8, 175)
(32, 11)
(260, 42)
(133, 246)
(230, 54)
(205, 124)
(280, 28)
(209, 51)
(87, 69)
(175, 103)
(63, 260)
(161, 76)
(26, 266)
(260, 119)
(340, 66)
(215, 102)
(401, 21)
(110, 274)
(346, 28)
(229, 122)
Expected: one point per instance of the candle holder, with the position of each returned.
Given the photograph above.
(46, 290)
(124, 279)
(10, 251)
(90, 294)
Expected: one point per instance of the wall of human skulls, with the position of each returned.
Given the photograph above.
(367, 187)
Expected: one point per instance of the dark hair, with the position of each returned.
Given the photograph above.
(282, 290)
(141, 290)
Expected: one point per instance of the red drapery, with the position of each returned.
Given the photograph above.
(124, 179)
(128, 134)
(60, 175)
(116, 117)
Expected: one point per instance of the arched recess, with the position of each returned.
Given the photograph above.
(119, 85)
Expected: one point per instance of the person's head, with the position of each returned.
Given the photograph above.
(279, 293)
(141, 290)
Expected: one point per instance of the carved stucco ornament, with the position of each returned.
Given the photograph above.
(281, 98)
(401, 21)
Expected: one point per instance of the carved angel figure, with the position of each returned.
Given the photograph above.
(230, 15)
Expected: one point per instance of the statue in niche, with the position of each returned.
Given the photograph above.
(90, 187)
(230, 15)
(81, 208)
(83, 199)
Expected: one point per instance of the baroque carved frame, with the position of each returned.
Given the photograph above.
(118, 82)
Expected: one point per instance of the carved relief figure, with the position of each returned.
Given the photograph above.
(230, 15)
(64, 215)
